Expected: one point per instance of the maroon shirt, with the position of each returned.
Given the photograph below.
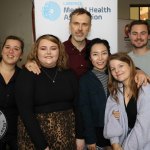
(77, 61)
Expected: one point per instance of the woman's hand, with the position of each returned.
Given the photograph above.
(116, 114)
(33, 67)
(91, 146)
(116, 147)
(80, 144)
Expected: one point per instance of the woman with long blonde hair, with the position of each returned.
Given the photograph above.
(127, 110)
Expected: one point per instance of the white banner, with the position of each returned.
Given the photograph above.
(52, 17)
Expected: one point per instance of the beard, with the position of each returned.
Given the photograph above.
(139, 46)
(79, 39)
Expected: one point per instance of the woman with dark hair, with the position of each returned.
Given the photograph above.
(12, 50)
(46, 101)
(93, 94)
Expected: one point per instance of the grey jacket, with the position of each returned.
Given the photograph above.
(116, 130)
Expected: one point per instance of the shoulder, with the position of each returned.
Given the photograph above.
(67, 42)
(17, 70)
(90, 80)
(26, 71)
(88, 75)
(143, 95)
(88, 41)
(130, 53)
(145, 88)
(25, 79)
(25, 74)
(148, 53)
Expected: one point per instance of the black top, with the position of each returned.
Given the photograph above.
(131, 110)
(8, 105)
(91, 105)
(38, 94)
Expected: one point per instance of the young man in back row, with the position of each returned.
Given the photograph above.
(139, 33)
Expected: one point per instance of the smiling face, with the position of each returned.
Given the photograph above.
(139, 36)
(48, 53)
(11, 52)
(99, 56)
(80, 25)
(120, 70)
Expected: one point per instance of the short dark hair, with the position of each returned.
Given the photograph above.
(139, 22)
(80, 11)
(12, 37)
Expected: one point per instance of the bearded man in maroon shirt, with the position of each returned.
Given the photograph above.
(79, 26)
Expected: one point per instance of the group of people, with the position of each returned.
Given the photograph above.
(76, 95)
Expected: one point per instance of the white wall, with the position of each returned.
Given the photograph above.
(124, 7)
(16, 20)
(104, 24)
(15, 16)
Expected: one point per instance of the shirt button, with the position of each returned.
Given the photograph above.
(81, 65)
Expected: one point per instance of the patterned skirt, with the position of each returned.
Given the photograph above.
(58, 128)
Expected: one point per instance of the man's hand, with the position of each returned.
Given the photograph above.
(141, 78)
(116, 146)
(80, 144)
(33, 67)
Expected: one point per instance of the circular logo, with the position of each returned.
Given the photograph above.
(3, 124)
(51, 11)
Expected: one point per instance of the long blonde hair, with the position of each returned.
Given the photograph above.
(113, 83)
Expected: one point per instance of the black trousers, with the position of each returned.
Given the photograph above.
(101, 141)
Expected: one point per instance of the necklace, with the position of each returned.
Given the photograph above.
(127, 92)
(49, 77)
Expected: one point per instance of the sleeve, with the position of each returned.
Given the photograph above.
(85, 110)
(79, 129)
(78, 120)
(24, 94)
(112, 127)
(140, 134)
